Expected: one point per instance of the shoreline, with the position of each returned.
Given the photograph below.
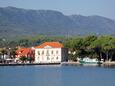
(27, 64)
(62, 63)
(77, 63)
(109, 63)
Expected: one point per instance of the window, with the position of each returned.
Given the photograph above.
(38, 52)
(52, 51)
(42, 52)
(57, 57)
(47, 53)
(57, 52)
(48, 58)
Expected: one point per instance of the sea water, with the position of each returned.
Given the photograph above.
(57, 75)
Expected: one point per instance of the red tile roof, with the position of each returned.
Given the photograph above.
(52, 44)
(23, 51)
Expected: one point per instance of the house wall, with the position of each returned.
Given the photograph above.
(50, 55)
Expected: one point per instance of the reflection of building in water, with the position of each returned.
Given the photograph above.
(48, 75)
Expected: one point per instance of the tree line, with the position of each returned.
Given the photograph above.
(100, 47)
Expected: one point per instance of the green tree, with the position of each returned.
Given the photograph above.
(13, 52)
(23, 59)
(30, 59)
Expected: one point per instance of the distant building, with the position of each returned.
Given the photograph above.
(51, 52)
(27, 52)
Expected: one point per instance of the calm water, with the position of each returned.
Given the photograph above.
(56, 76)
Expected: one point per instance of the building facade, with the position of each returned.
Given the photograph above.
(51, 52)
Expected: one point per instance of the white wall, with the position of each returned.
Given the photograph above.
(50, 55)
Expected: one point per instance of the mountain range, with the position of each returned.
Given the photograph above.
(26, 22)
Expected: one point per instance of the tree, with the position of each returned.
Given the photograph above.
(24, 42)
(23, 59)
(88, 40)
(112, 50)
(102, 45)
(3, 52)
(30, 59)
(106, 46)
(13, 52)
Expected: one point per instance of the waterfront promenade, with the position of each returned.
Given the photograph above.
(109, 63)
(62, 63)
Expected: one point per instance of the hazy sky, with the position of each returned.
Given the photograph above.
(84, 7)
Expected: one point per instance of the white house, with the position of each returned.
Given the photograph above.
(50, 52)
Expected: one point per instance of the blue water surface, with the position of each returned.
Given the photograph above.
(56, 75)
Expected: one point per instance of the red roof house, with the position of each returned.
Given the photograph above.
(27, 52)
(51, 44)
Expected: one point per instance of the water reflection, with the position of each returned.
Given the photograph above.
(48, 76)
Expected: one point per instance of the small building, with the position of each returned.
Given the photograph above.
(27, 52)
(51, 52)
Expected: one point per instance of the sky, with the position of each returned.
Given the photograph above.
(104, 8)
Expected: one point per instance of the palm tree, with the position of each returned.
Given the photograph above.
(3, 52)
(13, 53)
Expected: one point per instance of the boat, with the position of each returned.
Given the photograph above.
(89, 61)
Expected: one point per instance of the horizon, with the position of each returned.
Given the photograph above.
(86, 8)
